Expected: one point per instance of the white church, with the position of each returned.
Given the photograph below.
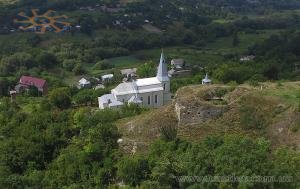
(149, 92)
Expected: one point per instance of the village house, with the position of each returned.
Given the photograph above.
(149, 92)
(178, 68)
(129, 73)
(107, 78)
(84, 83)
(177, 63)
(26, 82)
(247, 58)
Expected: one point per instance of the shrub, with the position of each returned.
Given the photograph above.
(252, 116)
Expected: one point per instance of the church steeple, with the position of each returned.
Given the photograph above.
(162, 71)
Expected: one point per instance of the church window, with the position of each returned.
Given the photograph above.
(155, 99)
(164, 86)
(149, 100)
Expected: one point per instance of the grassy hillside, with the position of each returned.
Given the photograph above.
(270, 110)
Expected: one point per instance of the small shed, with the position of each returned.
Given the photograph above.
(107, 78)
(13, 95)
(247, 58)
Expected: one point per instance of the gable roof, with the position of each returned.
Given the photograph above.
(84, 81)
(129, 71)
(147, 81)
(32, 81)
(124, 88)
(179, 61)
(110, 99)
(107, 76)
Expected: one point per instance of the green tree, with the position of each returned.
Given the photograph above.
(46, 59)
(133, 170)
(69, 64)
(235, 39)
(60, 98)
(78, 69)
(33, 91)
(84, 96)
(4, 85)
(147, 70)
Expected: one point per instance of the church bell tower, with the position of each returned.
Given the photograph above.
(162, 76)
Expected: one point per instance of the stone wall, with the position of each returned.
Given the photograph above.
(198, 112)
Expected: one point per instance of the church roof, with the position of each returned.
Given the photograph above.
(147, 81)
(138, 86)
(152, 89)
(125, 88)
(110, 97)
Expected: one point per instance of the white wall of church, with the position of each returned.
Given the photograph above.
(152, 99)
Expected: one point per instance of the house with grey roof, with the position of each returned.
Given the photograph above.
(107, 78)
(129, 73)
(179, 68)
(83, 83)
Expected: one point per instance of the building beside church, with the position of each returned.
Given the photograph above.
(149, 92)
(179, 68)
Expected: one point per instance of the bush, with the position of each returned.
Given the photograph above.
(252, 117)
(103, 65)
(133, 170)
(69, 64)
(60, 98)
(78, 69)
(168, 132)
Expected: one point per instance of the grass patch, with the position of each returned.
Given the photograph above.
(289, 92)
(124, 61)
(224, 45)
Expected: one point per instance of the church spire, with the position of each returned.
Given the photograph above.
(162, 71)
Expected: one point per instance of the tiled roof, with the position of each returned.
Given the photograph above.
(28, 80)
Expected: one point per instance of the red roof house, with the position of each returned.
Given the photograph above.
(26, 81)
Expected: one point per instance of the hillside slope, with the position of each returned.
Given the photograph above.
(270, 110)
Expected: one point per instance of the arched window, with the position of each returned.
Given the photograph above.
(164, 86)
